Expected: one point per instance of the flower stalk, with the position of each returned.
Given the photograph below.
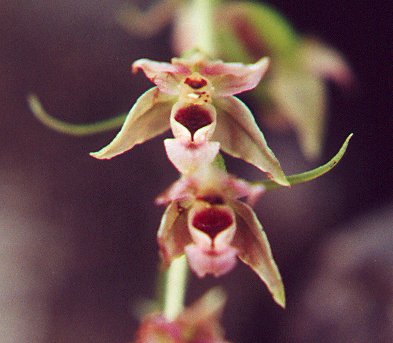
(175, 288)
(203, 16)
(177, 273)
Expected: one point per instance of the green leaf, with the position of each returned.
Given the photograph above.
(311, 174)
(69, 128)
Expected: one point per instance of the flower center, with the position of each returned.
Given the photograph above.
(195, 83)
(212, 221)
(193, 117)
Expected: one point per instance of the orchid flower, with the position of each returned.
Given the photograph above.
(194, 97)
(198, 323)
(206, 221)
(295, 93)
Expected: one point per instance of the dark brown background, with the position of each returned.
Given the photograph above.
(77, 235)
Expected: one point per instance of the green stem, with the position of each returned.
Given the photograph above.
(203, 16)
(311, 174)
(72, 129)
(175, 288)
(176, 275)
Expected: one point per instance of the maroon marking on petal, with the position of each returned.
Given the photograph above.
(212, 199)
(212, 221)
(193, 117)
(195, 83)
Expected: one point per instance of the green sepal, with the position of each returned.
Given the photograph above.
(276, 35)
(69, 128)
(311, 174)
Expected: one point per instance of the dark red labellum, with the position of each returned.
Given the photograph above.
(193, 117)
(212, 221)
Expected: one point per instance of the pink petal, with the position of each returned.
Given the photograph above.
(238, 188)
(187, 157)
(233, 78)
(254, 250)
(325, 62)
(240, 137)
(204, 262)
(149, 117)
(166, 76)
(173, 235)
(182, 189)
(193, 122)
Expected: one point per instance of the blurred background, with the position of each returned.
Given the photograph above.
(77, 235)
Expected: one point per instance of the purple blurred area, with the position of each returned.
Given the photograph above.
(77, 235)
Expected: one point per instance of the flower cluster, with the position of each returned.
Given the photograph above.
(204, 218)
(209, 217)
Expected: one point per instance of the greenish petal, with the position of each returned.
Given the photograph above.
(240, 137)
(311, 174)
(260, 29)
(70, 128)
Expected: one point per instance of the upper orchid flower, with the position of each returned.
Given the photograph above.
(194, 97)
(294, 93)
(198, 323)
(206, 221)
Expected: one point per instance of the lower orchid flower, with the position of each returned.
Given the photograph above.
(198, 323)
(206, 221)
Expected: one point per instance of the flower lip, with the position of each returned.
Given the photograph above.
(193, 117)
(212, 221)
(195, 83)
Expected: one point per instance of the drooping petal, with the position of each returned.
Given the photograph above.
(233, 78)
(193, 122)
(148, 118)
(240, 137)
(173, 235)
(165, 76)
(325, 62)
(187, 157)
(254, 250)
(301, 99)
